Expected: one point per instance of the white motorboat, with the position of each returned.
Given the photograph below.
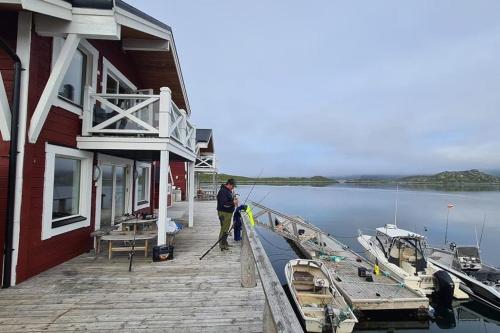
(479, 280)
(401, 253)
(321, 306)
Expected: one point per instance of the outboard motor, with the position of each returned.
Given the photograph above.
(331, 320)
(444, 288)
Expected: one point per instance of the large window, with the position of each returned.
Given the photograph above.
(74, 81)
(81, 73)
(66, 196)
(142, 183)
(67, 190)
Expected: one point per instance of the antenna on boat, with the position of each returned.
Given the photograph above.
(482, 230)
(450, 206)
(475, 231)
(396, 208)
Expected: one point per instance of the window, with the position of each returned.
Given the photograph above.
(82, 72)
(66, 196)
(73, 84)
(67, 190)
(142, 185)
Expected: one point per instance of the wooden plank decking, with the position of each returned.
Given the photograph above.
(183, 295)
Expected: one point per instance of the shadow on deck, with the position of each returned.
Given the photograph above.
(182, 295)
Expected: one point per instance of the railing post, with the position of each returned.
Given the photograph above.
(248, 275)
(164, 112)
(268, 321)
(87, 113)
(183, 127)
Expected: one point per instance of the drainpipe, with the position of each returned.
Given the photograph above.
(9, 228)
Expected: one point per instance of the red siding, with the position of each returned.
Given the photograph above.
(8, 32)
(61, 128)
(178, 170)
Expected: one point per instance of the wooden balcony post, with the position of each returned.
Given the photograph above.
(248, 275)
(183, 127)
(164, 112)
(87, 111)
(163, 197)
(191, 193)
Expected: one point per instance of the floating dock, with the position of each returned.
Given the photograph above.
(383, 293)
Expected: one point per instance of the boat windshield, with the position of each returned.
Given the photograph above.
(409, 250)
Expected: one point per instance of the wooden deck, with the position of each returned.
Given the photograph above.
(183, 295)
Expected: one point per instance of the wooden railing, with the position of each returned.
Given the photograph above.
(137, 114)
(279, 315)
(205, 162)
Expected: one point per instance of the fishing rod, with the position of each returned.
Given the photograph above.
(482, 230)
(253, 186)
(232, 217)
(132, 252)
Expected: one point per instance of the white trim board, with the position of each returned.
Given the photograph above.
(86, 165)
(5, 115)
(50, 91)
(109, 69)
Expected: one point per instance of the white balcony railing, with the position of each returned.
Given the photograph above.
(144, 115)
(205, 162)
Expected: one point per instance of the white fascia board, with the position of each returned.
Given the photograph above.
(135, 22)
(181, 78)
(88, 25)
(121, 143)
(55, 8)
(145, 45)
(53, 83)
(5, 115)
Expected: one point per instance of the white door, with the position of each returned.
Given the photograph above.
(114, 190)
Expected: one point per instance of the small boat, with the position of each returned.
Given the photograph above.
(479, 280)
(321, 306)
(401, 253)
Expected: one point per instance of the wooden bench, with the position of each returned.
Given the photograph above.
(126, 236)
(99, 233)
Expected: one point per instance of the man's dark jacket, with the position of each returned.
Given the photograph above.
(225, 199)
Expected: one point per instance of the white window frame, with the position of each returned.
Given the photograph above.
(147, 200)
(86, 167)
(109, 69)
(92, 70)
(115, 161)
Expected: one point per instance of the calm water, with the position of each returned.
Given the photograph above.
(342, 210)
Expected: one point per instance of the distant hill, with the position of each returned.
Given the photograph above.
(453, 177)
(206, 178)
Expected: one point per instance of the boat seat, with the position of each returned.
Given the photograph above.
(303, 276)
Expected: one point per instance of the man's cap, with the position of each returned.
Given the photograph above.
(231, 181)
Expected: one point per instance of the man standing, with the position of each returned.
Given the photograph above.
(226, 203)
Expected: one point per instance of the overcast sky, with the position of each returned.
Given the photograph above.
(342, 87)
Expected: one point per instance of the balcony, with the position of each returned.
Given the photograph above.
(205, 163)
(136, 121)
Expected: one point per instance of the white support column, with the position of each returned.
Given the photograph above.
(164, 112)
(191, 194)
(163, 197)
(49, 92)
(23, 50)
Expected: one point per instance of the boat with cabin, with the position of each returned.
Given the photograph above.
(321, 306)
(479, 280)
(401, 253)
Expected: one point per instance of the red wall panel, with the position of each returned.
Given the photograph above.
(61, 128)
(178, 170)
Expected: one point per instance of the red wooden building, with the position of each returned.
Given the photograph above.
(102, 109)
